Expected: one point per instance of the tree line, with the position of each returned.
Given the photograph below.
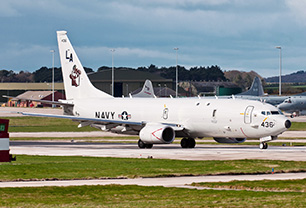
(44, 74)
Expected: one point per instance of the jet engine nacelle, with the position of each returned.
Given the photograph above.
(157, 134)
(229, 140)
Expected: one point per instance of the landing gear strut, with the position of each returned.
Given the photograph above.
(188, 143)
(143, 145)
(263, 145)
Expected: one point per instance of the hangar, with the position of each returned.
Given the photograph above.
(126, 81)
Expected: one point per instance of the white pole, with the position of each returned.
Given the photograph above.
(176, 75)
(52, 51)
(280, 69)
(112, 50)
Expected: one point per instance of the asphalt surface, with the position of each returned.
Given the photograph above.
(163, 151)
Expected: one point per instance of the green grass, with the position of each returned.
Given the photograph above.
(298, 126)
(52, 167)
(262, 185)
(140, 196)
(37, 124)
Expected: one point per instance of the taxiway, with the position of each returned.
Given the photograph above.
(163, 151)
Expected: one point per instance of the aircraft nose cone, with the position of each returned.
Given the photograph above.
(287, 124)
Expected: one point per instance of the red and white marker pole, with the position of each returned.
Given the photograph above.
(4, 141)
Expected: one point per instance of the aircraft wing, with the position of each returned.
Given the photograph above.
(76, 118)
(176, 127)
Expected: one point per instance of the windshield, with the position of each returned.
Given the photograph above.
(267, 113)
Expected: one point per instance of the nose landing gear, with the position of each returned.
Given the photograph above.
(263, 145)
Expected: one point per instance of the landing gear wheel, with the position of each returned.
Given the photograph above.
(149, 146)
(191, 143)
(141, 144)
(263, 145)
(184, 143)
(188, 143)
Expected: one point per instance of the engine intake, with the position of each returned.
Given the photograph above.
(229, 140)
(157, 134)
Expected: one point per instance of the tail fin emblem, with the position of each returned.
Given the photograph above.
(75, 76)
(69, 57)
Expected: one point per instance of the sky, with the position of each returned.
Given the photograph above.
(233, 34)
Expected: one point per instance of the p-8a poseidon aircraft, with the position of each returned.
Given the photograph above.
(160, 120)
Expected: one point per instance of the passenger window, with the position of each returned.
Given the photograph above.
(214, 113)
(268, 113)
(263, 112)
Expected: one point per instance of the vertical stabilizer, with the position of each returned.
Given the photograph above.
(76, 82)
(256, 88)
(147, 90)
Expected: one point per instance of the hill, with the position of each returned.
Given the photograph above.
(241, 78)
(295, 77)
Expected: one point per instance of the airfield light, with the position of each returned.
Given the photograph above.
(112, 50)
(52, 51)
(176, 75)
(280, 69)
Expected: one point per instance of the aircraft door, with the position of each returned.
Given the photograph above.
(248, 114)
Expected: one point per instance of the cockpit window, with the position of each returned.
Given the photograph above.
(271, 113)
(288, 101)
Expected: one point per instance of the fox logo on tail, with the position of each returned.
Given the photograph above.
(75, 76)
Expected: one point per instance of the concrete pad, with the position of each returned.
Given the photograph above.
(164, 151)
(182, 182)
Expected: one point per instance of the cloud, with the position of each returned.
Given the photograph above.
(25, 57)
(230, 33)
(7, 9)
(298, 8)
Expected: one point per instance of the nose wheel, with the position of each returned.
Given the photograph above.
(263, 145)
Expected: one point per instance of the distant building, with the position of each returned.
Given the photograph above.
(159, 91)
(14, 89)
(126, 81)
(24, 99)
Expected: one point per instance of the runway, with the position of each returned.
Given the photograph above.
(164, 151)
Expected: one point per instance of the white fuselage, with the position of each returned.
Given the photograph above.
(202, 117)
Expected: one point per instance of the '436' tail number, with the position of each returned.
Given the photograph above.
(267, 124)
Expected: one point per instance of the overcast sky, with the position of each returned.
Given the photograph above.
(234, 34)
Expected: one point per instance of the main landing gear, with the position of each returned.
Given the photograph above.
(188, 143)
(143, 145)
(263, 145)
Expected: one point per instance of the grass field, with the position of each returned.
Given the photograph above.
(38, 124)
(138, 196)
(51, 167)
(298, 126)
(263, 185)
